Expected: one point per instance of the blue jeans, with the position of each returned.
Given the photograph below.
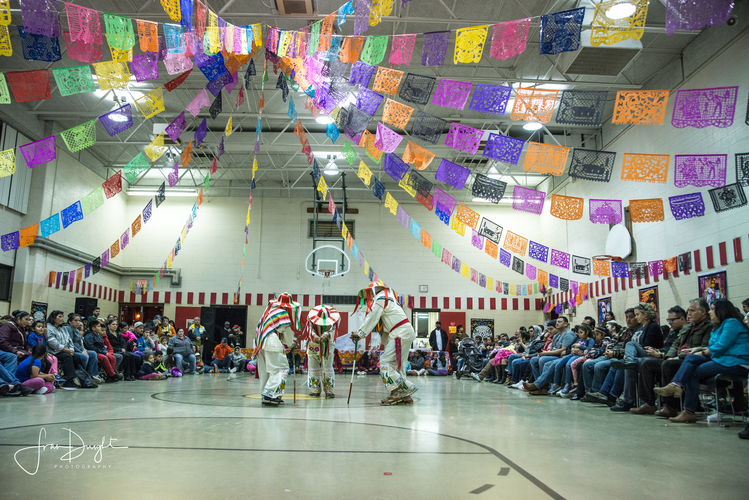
(695, 369)
(90, 362)
(594, 373)
(181, 362)
(511, 359)
(560, 368)
(8, 365)
(537, 364)
(223, 364)
(548, 365)
(614, 383)
(518, 367)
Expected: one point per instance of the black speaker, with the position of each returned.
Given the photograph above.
(85, 306)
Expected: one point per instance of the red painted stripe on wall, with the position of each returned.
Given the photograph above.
(178, 298)
(481, 303)
(723, 253)
(709, 256)
(213, 298)
(248, 299)
(515, 304)
(305, 300)
(190, 297)
(446, 302)
(457, 302)
(225, 298)
(469, 303)
(167, 297)
(435, 303)
(504, 304)
(492, 303)
(423, 302)
(156, 297)
(527, 304)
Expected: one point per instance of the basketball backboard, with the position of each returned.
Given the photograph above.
(327, 261)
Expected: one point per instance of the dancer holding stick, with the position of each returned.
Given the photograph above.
(385, 314)
(353, 371)
(322, 325)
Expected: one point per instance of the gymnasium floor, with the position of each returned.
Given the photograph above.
(207, 437)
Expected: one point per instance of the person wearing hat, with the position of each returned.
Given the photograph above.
(322, 325)
(384, 313)
(221, 357)
(274, 333)
(234, 336)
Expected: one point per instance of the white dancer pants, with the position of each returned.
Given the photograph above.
(391, 377)
(316, 373)
(273, 367)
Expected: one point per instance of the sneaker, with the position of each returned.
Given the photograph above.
(554, 389)
(232, 370)
(98, 379)
(475, 377)
(622, 406)
(564, 391)
(70, 385)
(43, 390)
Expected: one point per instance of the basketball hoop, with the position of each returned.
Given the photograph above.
(326, 275)
(607, 257)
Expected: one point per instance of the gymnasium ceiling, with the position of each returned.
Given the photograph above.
(284, 171)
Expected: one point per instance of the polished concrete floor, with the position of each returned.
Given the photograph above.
(208, 437)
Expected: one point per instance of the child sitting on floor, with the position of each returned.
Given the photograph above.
(38, 336)
(171, 363)
(147, 371)
(29, 371)
(158, 363)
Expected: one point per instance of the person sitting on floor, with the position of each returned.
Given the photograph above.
(417, 364)
(238, 360)
(727, 354)
(183, 352)
(38, 336)
(88, 358)
(367, 365)
(221, 357)
(30, 373)
(13, 335)
(171, 364)
(438, 366)
(147, 370)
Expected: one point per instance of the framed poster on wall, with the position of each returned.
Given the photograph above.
(604, 306)
(650, 296)
(713, 286)
(39, 310)
(482, 328)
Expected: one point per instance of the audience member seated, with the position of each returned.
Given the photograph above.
(600, 342)
(438, 366)
(88, 359)
(648, 335)
(727, 354)
(61, 345)
(30, 374)
(94, 342)
(147, 370)
(595, 370)
(183, 352)
(517, 364)
(417, 364)
(692, 336)
(238, 360)
(165, 328)
(367, 365)
(543, 366)
(563, 371)
(38, 335)
(649, 367)
(497, 364)
(170, 361)
(129, 361)
(13, 337)
(221, 361)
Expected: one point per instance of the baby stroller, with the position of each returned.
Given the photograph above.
(469, 353)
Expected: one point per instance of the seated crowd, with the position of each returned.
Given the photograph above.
(626, 368)
(39, 356)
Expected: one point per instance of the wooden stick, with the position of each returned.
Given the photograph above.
(353, 371)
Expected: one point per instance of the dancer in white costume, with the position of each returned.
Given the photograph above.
(322, 324)
(274, 338)
(384, 312)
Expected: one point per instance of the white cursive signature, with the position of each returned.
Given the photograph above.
(74, 450)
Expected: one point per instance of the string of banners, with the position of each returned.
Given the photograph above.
(66, 217)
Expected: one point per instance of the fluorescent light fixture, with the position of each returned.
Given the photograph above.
(493, 173)
(621, 10)
(325, 154)
(324, 120)
(149, 191)
(158, 128)
(532, 126)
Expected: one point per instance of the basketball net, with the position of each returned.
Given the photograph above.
(326, 275)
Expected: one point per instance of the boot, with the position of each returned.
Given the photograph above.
(502, 374)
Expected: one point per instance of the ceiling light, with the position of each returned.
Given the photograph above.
(532, 126)
(331, 168)
(621, 10)
(327, 154)
(324, 120)
(493, 173)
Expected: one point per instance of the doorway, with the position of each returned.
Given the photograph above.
(214, 317)
(131, 313)
(424, 321)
